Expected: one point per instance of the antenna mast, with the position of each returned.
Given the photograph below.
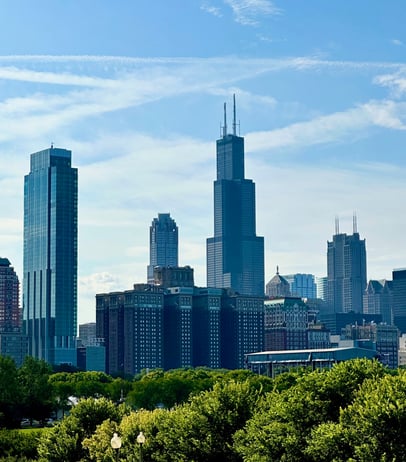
(225, 121)
(354, 223)
(234, 117)
(337, 222)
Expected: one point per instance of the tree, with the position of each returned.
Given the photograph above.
(38, 400)
(10, 394)
(63, 442)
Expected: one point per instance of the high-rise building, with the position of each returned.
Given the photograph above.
(399, 298)
(378, 299)
(50, 256)
(302, 285)
(163, 244)
(346, 272)
(321, 285)
(10, 314)
(235, 255)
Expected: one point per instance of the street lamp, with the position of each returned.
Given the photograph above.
(141, 441)
(116, 444)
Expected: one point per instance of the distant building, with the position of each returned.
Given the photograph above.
(378, 299)
(173, 276)
(385, 340)
(10, 312)
(163, 244)
(235, 254)
(302, 285)
(285, 324)
(278, 286)
(321, 287)
(153, 327)
(346, 272)
(399, 299)
(50, 256)
(87, 334)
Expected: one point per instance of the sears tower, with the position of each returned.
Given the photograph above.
(235, 255)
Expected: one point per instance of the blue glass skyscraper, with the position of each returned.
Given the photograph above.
(235, 255)
(50, 256)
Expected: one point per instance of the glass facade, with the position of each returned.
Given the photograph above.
(163, 244)
(50, 256)
(235, 255)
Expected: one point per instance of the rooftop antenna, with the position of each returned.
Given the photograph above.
(354, 223)
(337, 222)
(277, 269)
(52, 145)
(225, 121)
(234, 117)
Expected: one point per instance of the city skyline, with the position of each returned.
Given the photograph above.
(136, 92)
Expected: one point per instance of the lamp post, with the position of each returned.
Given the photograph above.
(141, 441)
(116, 444)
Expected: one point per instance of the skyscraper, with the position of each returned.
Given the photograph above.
(399, 298)
(10, 315)
(50, 256)
(235, 255)
(346, 272)
(163, 244)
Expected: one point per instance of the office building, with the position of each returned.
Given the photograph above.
(153, 327)
(163, 244)
(10, 313)
(378, 299)
(399, 298)
(278, 286)
(87, 334)
(384, 340)
(302, 285)
(321, 288)
(173, 276)
(235, 255)
(131, 326)
(50, 256)
(346, 272)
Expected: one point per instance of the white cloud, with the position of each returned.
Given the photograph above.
(397, 42)
(215, 11)
(250, 12)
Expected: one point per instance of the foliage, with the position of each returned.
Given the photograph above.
(63, 442)
(37, 395)
(19, 445)
(10, 394)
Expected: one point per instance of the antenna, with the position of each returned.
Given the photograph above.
(225, 121)
(234, 118)
(354, 223)
(337, 223)
(277, 269)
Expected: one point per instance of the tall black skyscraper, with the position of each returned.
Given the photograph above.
(399, 298)
(50, 256)
(346, 271)
(163, 244)
(235, 255)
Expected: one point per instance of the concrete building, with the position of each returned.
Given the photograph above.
(10, 311)
(278, 286)
(235, 255)
(50, 256)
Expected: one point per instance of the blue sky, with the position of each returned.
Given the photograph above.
(136, 90)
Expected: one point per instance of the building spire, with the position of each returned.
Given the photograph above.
(354, 223)
(277, 269)
(225, 120)
(234, 118)
(337, 223)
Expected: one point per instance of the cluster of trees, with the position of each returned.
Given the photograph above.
(354, 412)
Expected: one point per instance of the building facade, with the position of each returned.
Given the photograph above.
(153, 327)
(346, 273)
(50, 256)
(378, 299)
(302, 285)
(278, 286)
(10, 312)
(163, 244)
(399, 298)
(235, 254)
